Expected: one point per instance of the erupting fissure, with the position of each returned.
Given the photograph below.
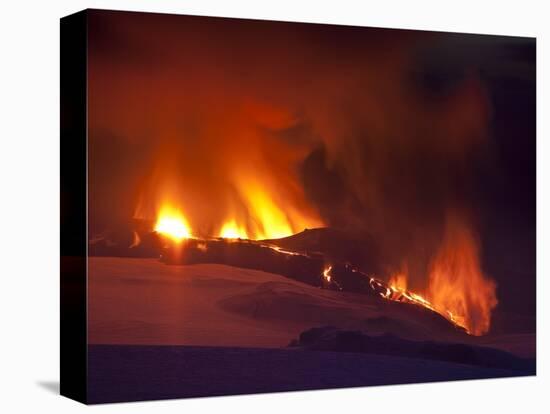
(270, 223)
(456, 286)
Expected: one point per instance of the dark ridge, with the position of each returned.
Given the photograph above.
(328, 338)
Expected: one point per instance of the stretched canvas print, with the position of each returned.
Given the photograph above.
(258, 206)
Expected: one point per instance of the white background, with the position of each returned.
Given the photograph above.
(29, 205)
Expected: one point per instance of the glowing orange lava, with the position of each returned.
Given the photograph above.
(326, 273)
(172, 224)
(398, 281)
(231, 230)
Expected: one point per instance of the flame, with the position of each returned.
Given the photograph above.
(255, 211)
(250, 187)
(456, 282)
(457, 287)
(399, 281)
(264, 219)
(268, 219)
(172, 224)
(231, 230)
(326, 273)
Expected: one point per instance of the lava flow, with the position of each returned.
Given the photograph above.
(399, 294)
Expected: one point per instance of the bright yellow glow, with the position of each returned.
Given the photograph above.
(172, 223)
(231, 230)
(326, 274)
(398, 281)
(271, 221)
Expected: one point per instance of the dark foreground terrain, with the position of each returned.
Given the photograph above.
(120, 373)
(158, 332)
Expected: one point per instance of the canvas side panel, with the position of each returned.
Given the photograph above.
(73, 207)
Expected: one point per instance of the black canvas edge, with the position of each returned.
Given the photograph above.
(73, 206)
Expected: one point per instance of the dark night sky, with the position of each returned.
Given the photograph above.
(385, 131)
